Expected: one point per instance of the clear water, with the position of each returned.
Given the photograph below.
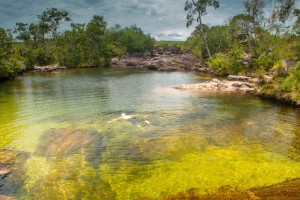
(55, 139)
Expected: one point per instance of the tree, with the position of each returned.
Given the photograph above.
(50, 20)
(281, 10)
(6, 41)
(296, 26)
(134, 40)
(9, 67)
(255, 8)
(199, 8)
(94, 32)
(48, 25)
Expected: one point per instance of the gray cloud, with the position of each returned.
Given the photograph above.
(163, 19)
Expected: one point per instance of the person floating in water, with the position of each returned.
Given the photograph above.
(132, 119)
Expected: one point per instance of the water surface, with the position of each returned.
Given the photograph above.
(55, 138)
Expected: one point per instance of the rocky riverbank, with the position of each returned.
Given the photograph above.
(47, 68)
(240, 84)
(169, 59)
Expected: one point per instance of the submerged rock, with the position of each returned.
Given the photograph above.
(3, 169)
(289, 189)
(67, 142)
(2, 197)
(12, 171)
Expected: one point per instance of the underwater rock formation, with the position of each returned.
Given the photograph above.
(67, 142)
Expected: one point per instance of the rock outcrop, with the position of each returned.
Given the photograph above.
(46, 68)
(170, 59)
(233, 84)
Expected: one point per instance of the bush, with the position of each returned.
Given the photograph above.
(225, 64)
(9, 69)
(266, 61)
(220, 63)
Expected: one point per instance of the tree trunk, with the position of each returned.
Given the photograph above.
(203, 36)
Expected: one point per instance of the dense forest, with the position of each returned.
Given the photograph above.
(262, 41)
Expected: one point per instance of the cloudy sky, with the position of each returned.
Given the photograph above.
(163, 19)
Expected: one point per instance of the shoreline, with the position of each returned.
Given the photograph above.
(241, 81)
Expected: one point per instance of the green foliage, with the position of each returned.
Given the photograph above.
(199, 8)
(135, 41)
(47, 26)
(220, 63)
(195, 45)
(218, 39)
(90, 44)
(265, 62)
(9, 68)
(167, 44)
(225, 64)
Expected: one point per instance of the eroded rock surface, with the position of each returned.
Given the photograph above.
(67, 142)
(46, 68)
(216, 85)
(171, 59)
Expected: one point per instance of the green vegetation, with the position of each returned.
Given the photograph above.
(9, 66)
(253, 43)
(92, 44)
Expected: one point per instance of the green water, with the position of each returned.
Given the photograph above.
(55, 138)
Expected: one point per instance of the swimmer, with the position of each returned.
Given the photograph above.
(131, 118)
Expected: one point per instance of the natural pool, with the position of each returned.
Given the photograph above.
(55, 139)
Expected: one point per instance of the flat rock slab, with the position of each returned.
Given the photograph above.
(219, 86)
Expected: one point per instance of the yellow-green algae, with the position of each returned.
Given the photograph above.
(206, 170)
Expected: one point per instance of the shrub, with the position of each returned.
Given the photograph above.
(9, 69)
(266, 61)
(220, 63)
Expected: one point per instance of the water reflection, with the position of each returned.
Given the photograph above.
(195, 140)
